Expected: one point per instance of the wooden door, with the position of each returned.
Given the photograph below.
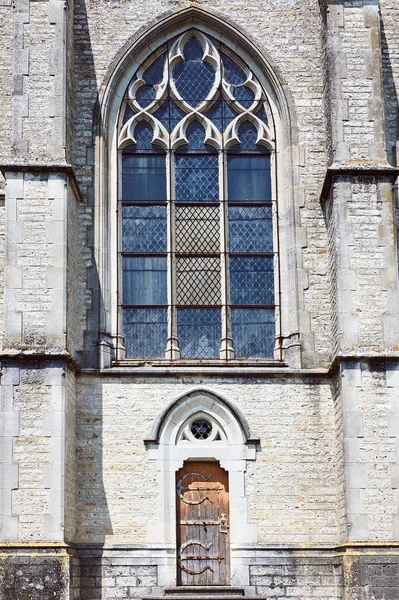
(202, 502)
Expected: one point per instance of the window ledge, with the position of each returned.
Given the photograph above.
(234, 369)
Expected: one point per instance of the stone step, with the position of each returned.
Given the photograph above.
(204, 589)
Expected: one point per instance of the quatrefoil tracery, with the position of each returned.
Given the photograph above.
(221, 88)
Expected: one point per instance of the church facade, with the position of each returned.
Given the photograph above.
(199, 299)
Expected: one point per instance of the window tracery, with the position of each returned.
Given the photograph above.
(196, 207)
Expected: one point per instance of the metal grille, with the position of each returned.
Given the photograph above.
(251, 280)
(199, 331)
(201, 429)
(250, 229)
(253, 332)
(145, 331)
(197, 178)
(144, 228)
(198, 280)
(197, 229)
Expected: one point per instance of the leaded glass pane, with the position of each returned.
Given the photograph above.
(144, 135)
(244, 96)
(127, 114)
(201, 429)
(144, 229)
(232, 72)
(197, 178)
(248, 178)
(145, 332)
(145, 95)
(253, 332)
(198, 280)
(251, 280)
(197, 229)
(143, 178)
(144, 280)
(214, 112)
(199, 331)
(193, 78)
(154, 73)
(250, 229)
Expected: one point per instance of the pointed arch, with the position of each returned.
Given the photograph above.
(197, 400)
(282, 126)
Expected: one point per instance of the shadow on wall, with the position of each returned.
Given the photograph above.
(93, 522)
(86, 101)
(391, 107)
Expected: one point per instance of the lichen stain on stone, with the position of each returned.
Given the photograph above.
(33, 577)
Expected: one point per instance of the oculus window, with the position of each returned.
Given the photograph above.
(196, 213)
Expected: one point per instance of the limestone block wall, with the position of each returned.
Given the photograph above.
(32, 452)
(291, 488)
(355, 82)
(371, 431)
(35, 295)
(6, 77)
(364, 268)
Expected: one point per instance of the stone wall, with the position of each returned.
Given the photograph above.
(291, 487)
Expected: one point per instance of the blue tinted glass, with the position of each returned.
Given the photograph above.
(144, 280)
(154, 73)
(250, 229)
(248, 178)
(248, 135)
(253, 332)
(145, 332)
(228, 113)
(261, 114)
(251, 280)
(215, 114)
(196, 178)
(232, 72)
(128, 113)
(193, 78)
(144, 228)
(145, 95)
(169, 114)
(244, 95)
(143, 177)
(143, 134)
(195, 135)
(199, 331)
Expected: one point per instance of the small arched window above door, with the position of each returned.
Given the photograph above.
(197, 207)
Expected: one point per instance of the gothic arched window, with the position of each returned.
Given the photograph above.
(196, 207)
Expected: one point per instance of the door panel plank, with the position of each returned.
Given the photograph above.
(202, 506)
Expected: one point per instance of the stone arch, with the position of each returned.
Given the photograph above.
(116, 81)
(196, 400)
(232, 452)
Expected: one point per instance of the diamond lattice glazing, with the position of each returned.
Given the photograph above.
(145, 332)
(251, 280)
(250, 229)
(253, 332)
(144, 228)
(197, 179)
(197, 229)
(199, 331)
(198, 280)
